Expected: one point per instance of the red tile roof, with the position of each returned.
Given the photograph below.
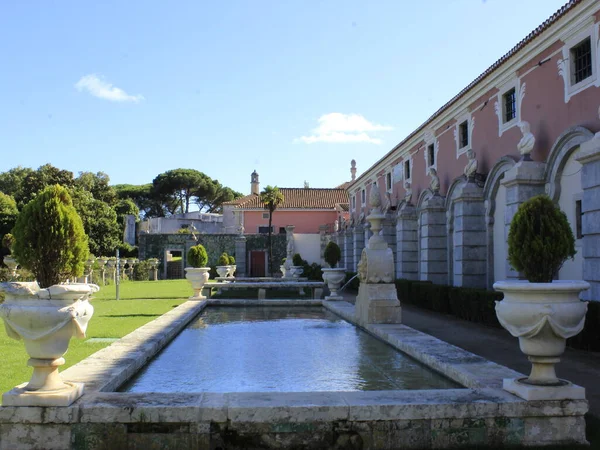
(297, 198)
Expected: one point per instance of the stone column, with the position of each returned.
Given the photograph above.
(240, 255)
(407, 244)
(348, 251)
(434, 251)
(389, 231)
(589, 157)
(358, 245)
(525, 180)
(469, 237)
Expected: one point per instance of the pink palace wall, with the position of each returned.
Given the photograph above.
(306, 222)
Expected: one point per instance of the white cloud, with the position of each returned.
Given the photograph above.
(103, 89)
(338, 127)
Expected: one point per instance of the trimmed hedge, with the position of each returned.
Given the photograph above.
(479, 306)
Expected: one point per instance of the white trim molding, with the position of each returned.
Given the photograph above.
(499, 106)
(430, 139)
(466, 116)
(565, 64)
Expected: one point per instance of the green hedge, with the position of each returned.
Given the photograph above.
(479, 306)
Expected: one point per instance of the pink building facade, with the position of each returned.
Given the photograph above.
(549, 83)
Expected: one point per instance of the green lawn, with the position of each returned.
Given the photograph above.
(141, 302)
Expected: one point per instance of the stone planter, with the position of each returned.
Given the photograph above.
(232, 269)
(296, 271)
(223, 271)
(12, 265)
(542, 316)
(334, 279)
(45, 319)
(197, 276)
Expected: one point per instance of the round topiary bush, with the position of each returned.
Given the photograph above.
(231, 260)
(297, 260)
(332, 254)
(197, 256)
(540, 239)
(8, 241)
(224, 259)
(49, 238)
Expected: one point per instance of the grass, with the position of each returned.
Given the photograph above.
(141, 302)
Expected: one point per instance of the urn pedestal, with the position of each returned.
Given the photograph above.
(543, 316)
(45, 319)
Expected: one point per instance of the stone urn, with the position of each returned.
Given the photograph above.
(12, 265)
(232, 269)
(334, 279)
(223, 271)
(297, 271)
(45, 319)
(197, 276)
(542, 316)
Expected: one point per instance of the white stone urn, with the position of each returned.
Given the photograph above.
(45, 319)
(12, 265)
(334, 279)
(232, 269)
(297, 271)
(197, 276)
(542, 316)
(223, 271)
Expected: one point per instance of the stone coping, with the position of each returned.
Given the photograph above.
(260, 279)
(268, 284)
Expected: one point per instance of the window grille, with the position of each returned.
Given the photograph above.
(581, 61)
(431, 154)
(406, 170)
(463, 134)
(510, 105)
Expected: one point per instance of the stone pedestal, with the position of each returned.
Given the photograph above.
(357, 245)
(240, 256)
(407, 255)
(378, 303)
(525, 180)
(433, 245)
(589, 157)
(469, 237)
(348, 251)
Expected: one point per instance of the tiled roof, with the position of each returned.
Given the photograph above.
(344, 206)
(526, 40)
(297, 198)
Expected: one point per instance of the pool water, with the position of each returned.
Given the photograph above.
(279, 349)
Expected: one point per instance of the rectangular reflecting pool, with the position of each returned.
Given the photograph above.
(279, 349)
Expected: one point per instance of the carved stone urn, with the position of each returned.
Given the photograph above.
(197, 276)
(45, 319)
(223, 271)
(334, 279)
(543, 316)
(231, 271)
(12, 265)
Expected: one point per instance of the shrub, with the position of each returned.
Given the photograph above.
(141, 271)
(332, 254)
(297, 260)
(197, 256)
(49, 238)
(8, 241)
(223, 259)
(231, 260)
(127, 251)
(540, 239)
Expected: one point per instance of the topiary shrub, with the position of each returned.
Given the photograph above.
(332, 254)
(223, 259)
(540, 240)
(297, 260)
(8, 241)
(231, 260)
(197, 256)
(49, 237)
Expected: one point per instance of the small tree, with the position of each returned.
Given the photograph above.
(297, 260)
(540, 240)
(332, 254)
(224, 259)
(197, 256)
(271, 198)
(231, 260)
(49, 237)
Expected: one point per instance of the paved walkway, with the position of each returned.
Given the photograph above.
(497, 345)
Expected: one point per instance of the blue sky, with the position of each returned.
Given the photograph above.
(293, 89)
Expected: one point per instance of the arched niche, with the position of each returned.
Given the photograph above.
(450, 196)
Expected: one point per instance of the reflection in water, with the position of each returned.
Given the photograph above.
(279, 349)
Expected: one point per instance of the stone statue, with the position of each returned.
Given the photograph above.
(408, 193)
(388, 202)
(361, 218)
(527, 142)
(434, 185)
(240, 229)
(336, 226)
(471, 167)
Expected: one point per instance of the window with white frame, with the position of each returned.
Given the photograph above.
(431, 149)
(431, 155)
(363, 197)
(508, 104)
(388, 181)
(463, 132)
(354, 202)
(579, 66)
(407, 169)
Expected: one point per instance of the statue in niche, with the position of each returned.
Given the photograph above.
(434, 185)
(240, 229)
(408, 193)
(388, 202)
(527, 142)
(361, 218)
(471, 167)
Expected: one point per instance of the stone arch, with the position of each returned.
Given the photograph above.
(490, 192)
(563, 185)
(450, 225)
(424, 195)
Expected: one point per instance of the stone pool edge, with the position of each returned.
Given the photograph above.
(482, 413)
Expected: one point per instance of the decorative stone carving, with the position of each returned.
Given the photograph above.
(434, 184)
(336, 226)
(197, 276)
(289, 234)
(527, 142)
(471, 167)
(388, 202)
(408, 193)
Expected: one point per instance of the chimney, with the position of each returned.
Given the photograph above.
(353, 169)
(254, 184)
